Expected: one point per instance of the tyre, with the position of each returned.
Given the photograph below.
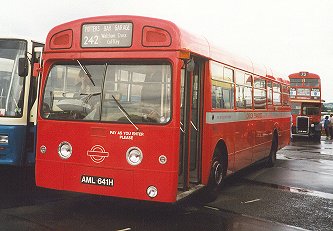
(216, 177)
(211, 191)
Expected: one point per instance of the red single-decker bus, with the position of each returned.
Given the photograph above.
(136, 107)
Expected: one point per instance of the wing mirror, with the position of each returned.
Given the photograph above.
(23, 67)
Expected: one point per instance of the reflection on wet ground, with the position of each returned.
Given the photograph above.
(290, 189)
(305, 149)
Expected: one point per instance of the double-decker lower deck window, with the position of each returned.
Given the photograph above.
(111, 92)
(295, 108)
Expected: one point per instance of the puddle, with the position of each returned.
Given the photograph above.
(292, 189)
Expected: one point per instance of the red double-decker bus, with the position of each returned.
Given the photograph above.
(136, 107)
(305, 97)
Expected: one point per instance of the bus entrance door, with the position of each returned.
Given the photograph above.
(190, 135)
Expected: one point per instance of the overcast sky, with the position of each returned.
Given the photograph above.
(287, 35)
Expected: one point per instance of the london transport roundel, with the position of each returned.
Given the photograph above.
(97, 154)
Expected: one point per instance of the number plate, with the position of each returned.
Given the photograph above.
(97, 180)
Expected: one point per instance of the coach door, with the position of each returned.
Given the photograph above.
(190, 126)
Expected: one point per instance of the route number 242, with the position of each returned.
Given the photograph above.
(92, 40)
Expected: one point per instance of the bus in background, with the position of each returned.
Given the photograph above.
(305, 97)
(136, 107)
(18, 100)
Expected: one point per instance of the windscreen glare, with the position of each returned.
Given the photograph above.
(11, 84)
(108, 92)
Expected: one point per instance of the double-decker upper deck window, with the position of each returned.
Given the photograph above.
(222, 86)
(115, 92)
(296, 82)
(311, 82)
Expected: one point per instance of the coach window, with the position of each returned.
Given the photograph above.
(276, 94)
(222, 87)
(259, 93)
(243, 90)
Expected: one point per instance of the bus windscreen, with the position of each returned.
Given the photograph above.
(11, 84)
(141, 92)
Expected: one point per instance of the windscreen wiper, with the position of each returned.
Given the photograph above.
(125, 113)
(86, 72)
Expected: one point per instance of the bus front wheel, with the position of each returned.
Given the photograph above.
(217, 172)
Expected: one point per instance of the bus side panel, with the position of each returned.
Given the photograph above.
(284, 132)
(244, 141)
(13, 153)
(263, 138)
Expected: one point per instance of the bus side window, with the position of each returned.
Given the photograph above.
(222, 86)
(243, 90)
(276, 94)
(269, 92)
(259, 93)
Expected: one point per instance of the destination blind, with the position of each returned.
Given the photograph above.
(107, 35)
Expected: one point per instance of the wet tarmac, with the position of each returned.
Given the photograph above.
(296, 194)
(298, 191)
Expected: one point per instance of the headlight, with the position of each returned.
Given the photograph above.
(65, 150)
(134, 156)
(312, 125)
(152, 191)
(3, 139)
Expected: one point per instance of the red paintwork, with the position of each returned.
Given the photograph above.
(246, 141)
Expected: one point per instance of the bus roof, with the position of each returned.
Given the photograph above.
(304, 74)
(176, 39)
